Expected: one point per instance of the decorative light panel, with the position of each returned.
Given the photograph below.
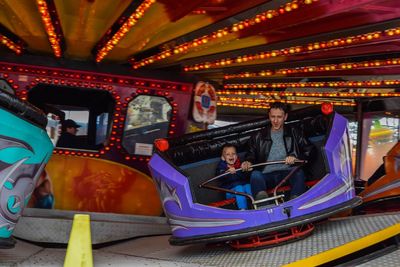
(307, 48)
(317, 68)
(123, 30)
(256, 103)
(10, 44)
(308, 94)
(237, 27)
(43, 75)
(52, 25)
(334, 84)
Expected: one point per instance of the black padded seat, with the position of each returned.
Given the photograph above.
(22, 109)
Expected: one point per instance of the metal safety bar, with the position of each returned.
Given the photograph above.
(254, 202)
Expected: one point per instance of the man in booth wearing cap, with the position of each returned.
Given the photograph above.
(68, 137)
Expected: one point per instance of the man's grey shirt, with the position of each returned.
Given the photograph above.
(277, 152)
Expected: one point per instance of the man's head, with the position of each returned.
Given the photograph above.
(277, 115)
(229, 154)
(70, 126)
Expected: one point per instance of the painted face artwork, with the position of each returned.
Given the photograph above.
(277, 118)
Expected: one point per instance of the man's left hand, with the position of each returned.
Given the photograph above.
(290, 160)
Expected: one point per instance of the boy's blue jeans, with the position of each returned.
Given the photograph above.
(241, 201)
(262, 181)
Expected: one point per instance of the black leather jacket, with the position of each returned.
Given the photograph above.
(69, 140)
(259, 145)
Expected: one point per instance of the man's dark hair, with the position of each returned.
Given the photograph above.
(279, 105)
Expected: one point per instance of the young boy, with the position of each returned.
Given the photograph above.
(235, 181)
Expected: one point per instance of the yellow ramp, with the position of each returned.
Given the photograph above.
(346, 249)
(79, 251)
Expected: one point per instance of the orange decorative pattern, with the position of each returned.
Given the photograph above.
(96, 185)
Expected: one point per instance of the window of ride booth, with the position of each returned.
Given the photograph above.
(381, 132)
(147, 119)
(91, 109)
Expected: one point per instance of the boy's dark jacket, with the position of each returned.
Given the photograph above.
(231, 180)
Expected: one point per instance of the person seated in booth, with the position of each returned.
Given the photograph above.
(277, 141)
(235, 180)
(68, 138)
(42, 196)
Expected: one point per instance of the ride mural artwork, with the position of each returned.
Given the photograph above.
(102, 186)
(25, 148)
(17, 180)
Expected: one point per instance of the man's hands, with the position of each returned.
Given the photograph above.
(290, 160)
(246, 166)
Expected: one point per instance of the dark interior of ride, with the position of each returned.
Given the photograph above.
(59, 99)
(197, 159)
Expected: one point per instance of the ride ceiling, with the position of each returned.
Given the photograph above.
(252, 51)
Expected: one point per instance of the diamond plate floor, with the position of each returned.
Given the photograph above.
(326, 236)
(391, 259)
(156, 251)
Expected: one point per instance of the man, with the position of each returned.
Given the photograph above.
(277, 142)
(68, 137)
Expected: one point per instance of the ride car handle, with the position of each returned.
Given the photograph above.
(252, 166)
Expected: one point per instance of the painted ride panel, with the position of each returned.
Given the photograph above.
(378, 159)
(193, 222)
(387, 188)
(114, 177)
(25, 149)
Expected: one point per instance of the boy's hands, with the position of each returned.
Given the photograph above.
(231, 170)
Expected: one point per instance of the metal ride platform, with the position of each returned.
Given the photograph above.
(341, 233)
(53, 226)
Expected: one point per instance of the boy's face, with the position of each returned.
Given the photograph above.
(229, 155)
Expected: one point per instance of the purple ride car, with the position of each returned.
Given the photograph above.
(193, 221)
